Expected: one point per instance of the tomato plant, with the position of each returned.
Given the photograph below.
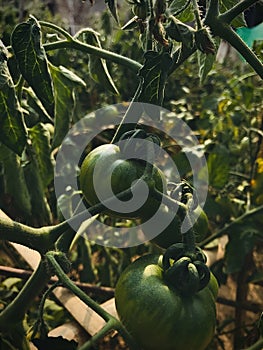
(51, 77)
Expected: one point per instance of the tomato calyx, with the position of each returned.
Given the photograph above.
(186, 271)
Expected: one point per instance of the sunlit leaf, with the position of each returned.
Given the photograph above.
(32, 61)
(12, 128)
(154, 75)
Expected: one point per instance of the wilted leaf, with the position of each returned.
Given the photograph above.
(98, 68)
(32, 61)
(12, 128)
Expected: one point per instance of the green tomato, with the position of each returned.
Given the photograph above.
(119, 174)
(157, 316)
(172, 233)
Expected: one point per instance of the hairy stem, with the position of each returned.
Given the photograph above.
(34, 238)
(224, 31)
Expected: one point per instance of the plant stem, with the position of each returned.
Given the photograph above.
(15, 311)
(234, 11)
(57, 29)
(228, 34)
(112, 322)
(66, 281)
(99, 52)
(34, 238)
(223, 230)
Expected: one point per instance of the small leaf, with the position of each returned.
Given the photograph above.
(205, 62)
(112, 5)
(154, 74)
(64, 83)
(32, 61)
(12, 128)
(218, 170)
(40, 138)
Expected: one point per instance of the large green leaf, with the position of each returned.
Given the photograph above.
(154, 75)
(64, 83)
(12, 128)
(32, 61)
(40, 138)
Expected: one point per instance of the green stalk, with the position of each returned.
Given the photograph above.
(34, 238)
(112, 322)
(224, 31)
(93, 50)
(15, 311)
(233, 12)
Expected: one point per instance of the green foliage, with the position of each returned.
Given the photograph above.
(44, 89)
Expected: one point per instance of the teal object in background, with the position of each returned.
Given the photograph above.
(249, 35)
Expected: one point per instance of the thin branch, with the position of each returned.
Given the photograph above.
(233, 12)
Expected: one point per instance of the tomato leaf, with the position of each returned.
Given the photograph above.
(40, 138)
(64, 83)
(218, 170)
(241, 242)
(181, 10)
(225, 5)
(32, 61)
(154, 75)
(12, 128)
(205, 62)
